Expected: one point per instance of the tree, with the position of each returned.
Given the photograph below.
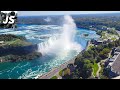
(78, 60)
(74, 76)
(111, 44)
(106, 50)
(86, 54)
(98, 59)
(93, 53)
(104, 53)
(66, 73)
(87, 69)
(99, 48)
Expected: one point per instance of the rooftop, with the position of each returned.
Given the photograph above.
(116, 64)
(1, 42)
(118, 77)
(117, 49)
(111, 60)
(115, 56)
(116, 53)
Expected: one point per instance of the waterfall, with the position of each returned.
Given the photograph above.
(45, 46)
(63, 42)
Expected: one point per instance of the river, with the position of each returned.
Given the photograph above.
(39, 34)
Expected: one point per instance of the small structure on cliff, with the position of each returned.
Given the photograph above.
(1, 42)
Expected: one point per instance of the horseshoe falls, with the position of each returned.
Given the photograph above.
(57, 43)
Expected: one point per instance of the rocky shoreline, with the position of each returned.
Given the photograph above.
(16, 48)
(14, 54)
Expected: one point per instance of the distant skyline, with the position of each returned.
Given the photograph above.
(39, 13)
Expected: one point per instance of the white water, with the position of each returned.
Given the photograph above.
(59, 48)
(64, 42)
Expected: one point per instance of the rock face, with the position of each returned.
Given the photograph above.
(14, 54)
(18, 50)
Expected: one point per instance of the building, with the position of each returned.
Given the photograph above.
(113, 64)
(117, 49)
(118, 77)
(1, 42)
(96, 42)
(101, 42)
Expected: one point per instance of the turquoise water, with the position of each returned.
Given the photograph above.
(38, 34)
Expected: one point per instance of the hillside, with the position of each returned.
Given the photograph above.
(16, 48)
(94, 21)
(9, 40)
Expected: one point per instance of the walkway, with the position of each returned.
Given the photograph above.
(98, 72)
(99, 68)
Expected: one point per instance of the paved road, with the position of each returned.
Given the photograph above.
(54, 71)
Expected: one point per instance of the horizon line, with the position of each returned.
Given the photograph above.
(70, 14)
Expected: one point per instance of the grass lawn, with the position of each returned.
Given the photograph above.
(17, 42)
(95, 68)
(90, 46)
(106, 35)
(60, 73)
(54, 77)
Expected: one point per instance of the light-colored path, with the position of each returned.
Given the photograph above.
(99, 68)
(98, 72)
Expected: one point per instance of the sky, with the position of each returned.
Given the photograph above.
(39, 13)
(8, 11)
